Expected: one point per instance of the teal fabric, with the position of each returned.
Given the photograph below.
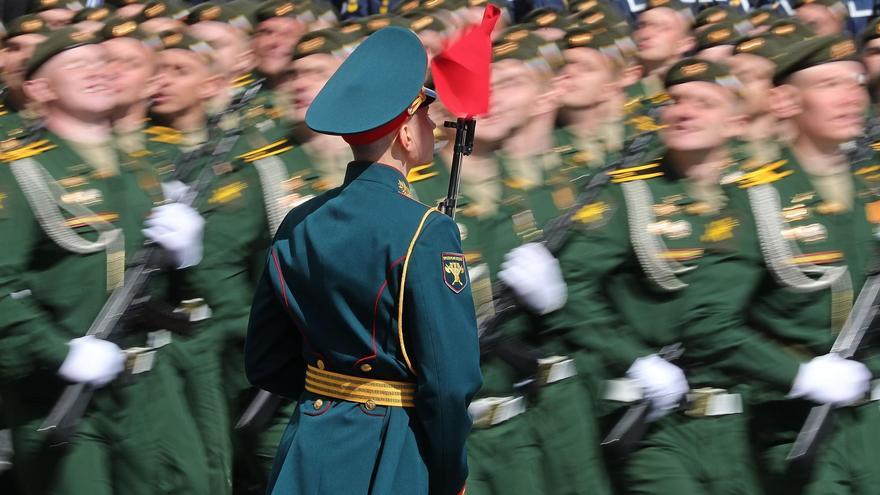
(326, 297)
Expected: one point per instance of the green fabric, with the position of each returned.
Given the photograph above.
(757, 327)
(506, 459)
(132, 418)
(812, 52)
(709, 455)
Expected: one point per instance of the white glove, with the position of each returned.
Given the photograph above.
(93, 361)
(177, 228)
(535, 277)
(830, 379)
(663, 383)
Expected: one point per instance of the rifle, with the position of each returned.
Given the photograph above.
(862, 320)
(65, 415)
(464, 146)
(629, 430)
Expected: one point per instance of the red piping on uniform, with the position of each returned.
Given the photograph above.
(280, 278)
(283, 285)
(376, 309)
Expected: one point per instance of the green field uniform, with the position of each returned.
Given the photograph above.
(783, 279)
(71, 228)
(629, 256)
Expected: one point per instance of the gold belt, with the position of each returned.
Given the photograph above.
(362, 390)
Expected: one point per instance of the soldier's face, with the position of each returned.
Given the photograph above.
(308, 76)
(274, 41)
(78, 82)
(756, 75)
(720, 54)
(230, 45)
(129, 11)
(421, 128)
(515, 89)
(871, 59)
(15, 56)
(829, 101)
(132, 66)
(587, 79)
(661, 36)
(180, 78)
(698, 117)
(161, 24)
(820, 18)
(57, 18)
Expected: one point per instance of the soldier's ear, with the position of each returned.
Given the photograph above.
(406, 136)
(785, 101)
(686, 45)
(39, 90)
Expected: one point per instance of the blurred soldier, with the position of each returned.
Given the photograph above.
(71, 199)
(715, 43)
(591, 102)
(402, 427)
(56, 13)
(91, 19)
(826, 17)
(127, 9)
(662, 36)
(870, 50)
(22, 36)
(159, 16)
(753, 66)
(793, 253)
(278, 30)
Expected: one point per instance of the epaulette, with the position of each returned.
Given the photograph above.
(875, 146)
(271, 149)
(660, 98)
(632, 105)
(245, 80)
(24, 151)
(420, 173)
(162, 134)
(641, 172)
(644, 123)
(3, 110)
(763, 175)
(870, 173)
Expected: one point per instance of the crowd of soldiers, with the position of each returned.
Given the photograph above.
(682, 209)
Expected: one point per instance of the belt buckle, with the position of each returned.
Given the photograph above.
(699, 399)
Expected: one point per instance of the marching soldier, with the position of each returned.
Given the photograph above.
(826, 17)
(278, 30)
(55, 13)
(22, 36)
(380, 317)
(793, 253)
(662, 36)
(71, 199)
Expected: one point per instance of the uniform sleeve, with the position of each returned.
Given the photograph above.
(29, 340)
(714, 327)
(440, 330)
(597, 248)
(273, 349)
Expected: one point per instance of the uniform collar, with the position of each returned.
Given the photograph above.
(375, 172)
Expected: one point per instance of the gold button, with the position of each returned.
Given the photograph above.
(366, 368)
(320, 364)
(318, 404)
(370, 405)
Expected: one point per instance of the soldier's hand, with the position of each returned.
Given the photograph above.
(93, 361)
(830, 379)
(178, 228)
(535, 277)
(663, 383)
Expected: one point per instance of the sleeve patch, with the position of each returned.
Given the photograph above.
(455, 274)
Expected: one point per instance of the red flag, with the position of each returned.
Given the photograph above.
(461, 71)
